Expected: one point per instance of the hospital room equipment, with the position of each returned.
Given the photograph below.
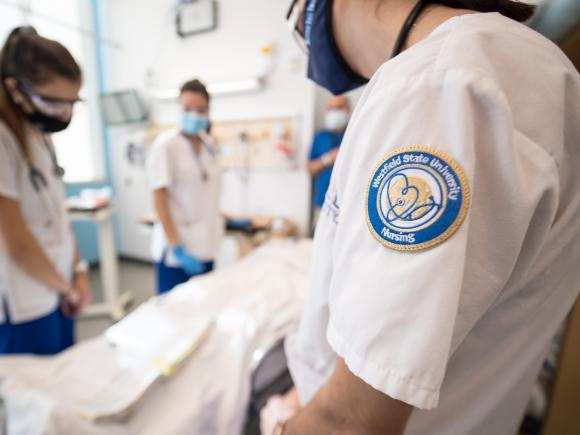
(268, 185)
(201, 384)
(115, 301)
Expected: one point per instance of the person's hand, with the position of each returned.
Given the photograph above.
(78, 297)
(70, 304)
(188, 262)
(278, 410)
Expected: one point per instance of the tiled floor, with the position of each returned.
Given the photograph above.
(136, 277)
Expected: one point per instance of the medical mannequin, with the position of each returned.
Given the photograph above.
(43, 283)
(446, 256)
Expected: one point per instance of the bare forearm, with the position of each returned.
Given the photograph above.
(326, 160)
(315, 167)
(312, 420)
(348, 406)
(321, 417)
(162, 209)
(324, 420)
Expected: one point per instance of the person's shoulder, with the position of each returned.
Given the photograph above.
(477, 47)
(11, 154)
(5, 131)
(168, 137)
(430, 89)
(491, 42)
(8, 139)
(323, 134)
(166, 140)
(527, 72)
(493, 27)
(322, 140)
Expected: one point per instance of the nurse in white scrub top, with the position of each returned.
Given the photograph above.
(185, 177)
(447, 252)
(43, 284)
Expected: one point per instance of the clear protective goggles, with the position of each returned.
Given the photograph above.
(295, 19)
(57, 107)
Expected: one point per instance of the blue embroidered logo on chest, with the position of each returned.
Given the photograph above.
(417, 198)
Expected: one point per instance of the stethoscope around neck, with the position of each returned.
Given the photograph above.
(207, 144)
(37, 177)
(40, 183)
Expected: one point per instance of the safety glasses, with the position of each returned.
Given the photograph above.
(295, 19)
(57, 107)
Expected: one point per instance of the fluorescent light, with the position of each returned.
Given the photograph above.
(216, 88)
(233, 87)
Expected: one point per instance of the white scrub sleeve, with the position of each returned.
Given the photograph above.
(159, 173)
(396, 317)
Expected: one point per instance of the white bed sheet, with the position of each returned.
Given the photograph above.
(253, 303)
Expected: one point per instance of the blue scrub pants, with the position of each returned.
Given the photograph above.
(47, 335)
(169, 277)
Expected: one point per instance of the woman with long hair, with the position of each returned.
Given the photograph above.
(43, 282)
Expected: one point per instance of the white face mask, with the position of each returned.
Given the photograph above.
(336, 119)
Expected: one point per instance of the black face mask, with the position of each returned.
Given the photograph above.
(46, 123)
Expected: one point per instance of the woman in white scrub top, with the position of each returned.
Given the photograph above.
(43, 285)
(185, 177)
(447, 252)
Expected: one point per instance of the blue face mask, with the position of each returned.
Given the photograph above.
(326, 66)
(193, 122)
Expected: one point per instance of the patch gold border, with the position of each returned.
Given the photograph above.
(466, 193)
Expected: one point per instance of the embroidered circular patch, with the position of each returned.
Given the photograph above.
(417, 198)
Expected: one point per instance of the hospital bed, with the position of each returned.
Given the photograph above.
(237, 317)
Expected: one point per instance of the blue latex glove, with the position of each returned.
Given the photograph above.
(188, 262)
(241, 224)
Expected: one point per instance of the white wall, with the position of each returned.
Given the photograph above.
(151, 56)
(321, 98)
(148, 55)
